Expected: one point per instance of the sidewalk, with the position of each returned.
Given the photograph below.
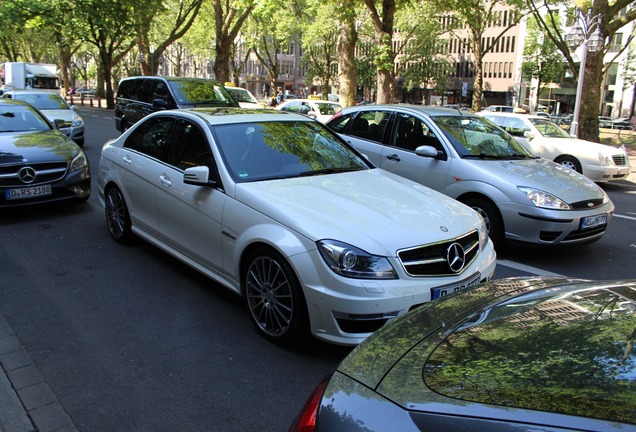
(27, 403)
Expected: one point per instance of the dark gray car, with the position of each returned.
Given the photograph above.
(523, 198)
(518, 354)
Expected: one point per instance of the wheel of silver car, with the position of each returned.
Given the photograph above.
(117, 216)
(274, 297)
(492, 218)
(570, 162)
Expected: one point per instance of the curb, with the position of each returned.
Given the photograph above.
(27, 403)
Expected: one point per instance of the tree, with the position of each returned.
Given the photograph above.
(229, 17)
(610, 21)
(347, 40)
(383, 21)
(475, 15)
(541, 59)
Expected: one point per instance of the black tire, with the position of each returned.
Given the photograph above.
(274, 297)
(492, 217)
(570, 162)
(117, 216)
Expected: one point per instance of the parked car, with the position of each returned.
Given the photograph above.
(598, 162)
(523, 198)
(621, 123)
(320, 110)
(518, 354)
(54, 108)
(139, 96)
(605, 122)
(243, 96)
(38, 163)
(86, 92)
(277, 208)
(499, 108)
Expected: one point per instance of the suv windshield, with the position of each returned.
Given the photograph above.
(201, 92)
(275, 150)
(478, 137)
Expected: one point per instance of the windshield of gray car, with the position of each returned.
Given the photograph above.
(274, 150)
(43, 101)
(477, 137)
(549, 129)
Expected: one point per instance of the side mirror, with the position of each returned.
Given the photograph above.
(529, 135)
(160, 103)
(198, 176)
(59, 123)
(427, 151)
(312, 114)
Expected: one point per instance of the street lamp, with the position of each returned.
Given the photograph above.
(580, 36)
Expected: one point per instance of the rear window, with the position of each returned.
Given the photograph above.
(571, 354)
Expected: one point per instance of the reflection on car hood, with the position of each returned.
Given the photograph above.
(58, 114)
(35, 147)
(371, 209)
(370, 361)
(543, 174)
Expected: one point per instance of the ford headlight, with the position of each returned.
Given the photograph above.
(79, 162)
(77, 122)
(543, 199)
(349, 261)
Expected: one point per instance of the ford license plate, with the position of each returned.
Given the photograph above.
(28, 192)
(593, 221)
(448, 289)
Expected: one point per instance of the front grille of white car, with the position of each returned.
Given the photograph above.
(619, 160)
(437, 259)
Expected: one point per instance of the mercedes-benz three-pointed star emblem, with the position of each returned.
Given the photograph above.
(26, 174)
(456, 257)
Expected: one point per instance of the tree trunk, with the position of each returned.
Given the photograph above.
(591, 98)
(222, 62)
(347, 71)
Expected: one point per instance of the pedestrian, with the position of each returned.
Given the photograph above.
(279, 95)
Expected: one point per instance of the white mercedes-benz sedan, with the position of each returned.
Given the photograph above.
(279, 209)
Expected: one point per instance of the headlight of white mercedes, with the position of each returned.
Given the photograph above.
(604, 160)
(79, 161)
(349, 261)
(543, 199)
(483, 233)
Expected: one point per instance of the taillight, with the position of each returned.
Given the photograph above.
(306, 419)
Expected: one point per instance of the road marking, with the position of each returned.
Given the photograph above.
(527, 268)
(625, 217)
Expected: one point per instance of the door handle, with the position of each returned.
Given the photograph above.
(394, 157)
(165, 180)
(127, 160)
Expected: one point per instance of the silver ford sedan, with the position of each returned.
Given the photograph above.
(277, 208)
(522, 197)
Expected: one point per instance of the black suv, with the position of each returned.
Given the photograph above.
(139, 96)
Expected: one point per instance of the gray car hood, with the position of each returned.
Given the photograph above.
(542, 174)
(34, 147)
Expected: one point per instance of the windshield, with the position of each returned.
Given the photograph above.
(43, 101)
(274, 150)
(328, 108)
(549, 129)
(241, 95)
(201, 92)
(478, 137)
(17, 118)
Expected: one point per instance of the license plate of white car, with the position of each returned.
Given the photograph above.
(593, 221)
(448, 289)
(28, 192)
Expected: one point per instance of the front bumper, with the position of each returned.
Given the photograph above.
(346, 311)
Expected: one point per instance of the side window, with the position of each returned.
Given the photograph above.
(410, 133)
(190, 147)
(293, 107)
(370, 125)
(152, 137)
(144, 91)
(339, 124)
(126, 90)
(160, 91)
(515, 126)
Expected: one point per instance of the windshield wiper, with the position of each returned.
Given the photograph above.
(327, 171)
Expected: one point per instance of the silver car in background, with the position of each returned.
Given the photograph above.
(54, 109)
(523, 198)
